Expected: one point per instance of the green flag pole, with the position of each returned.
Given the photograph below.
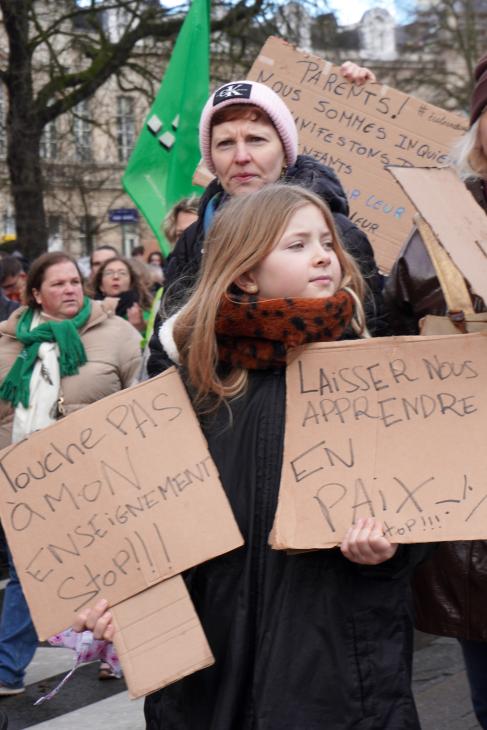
(161, 167)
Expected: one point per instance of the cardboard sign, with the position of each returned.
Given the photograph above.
(392, 428)
(115, 498)
(357, 130)
(456, 219)
(159, 638)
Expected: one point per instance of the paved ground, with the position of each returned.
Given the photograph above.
(86, 704)
(440, 685)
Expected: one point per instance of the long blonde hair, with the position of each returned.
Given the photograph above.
(467, 154)
(241, 236)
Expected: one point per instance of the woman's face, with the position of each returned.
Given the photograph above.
(61, 292)
(155, 259)
(247, 155)
(115, 279)
(184, 219)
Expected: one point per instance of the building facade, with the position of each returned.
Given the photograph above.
(85, 151)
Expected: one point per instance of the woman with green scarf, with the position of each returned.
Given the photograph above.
(60, 352)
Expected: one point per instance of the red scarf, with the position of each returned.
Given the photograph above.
(256, 335)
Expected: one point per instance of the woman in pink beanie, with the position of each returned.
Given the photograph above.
(248, 139)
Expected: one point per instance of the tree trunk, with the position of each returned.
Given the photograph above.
(23, 160)
(23, 134)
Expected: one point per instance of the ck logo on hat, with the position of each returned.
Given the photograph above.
(232, 91)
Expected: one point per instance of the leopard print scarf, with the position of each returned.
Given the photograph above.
(256, 335)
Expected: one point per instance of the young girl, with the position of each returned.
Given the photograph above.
(315, 641)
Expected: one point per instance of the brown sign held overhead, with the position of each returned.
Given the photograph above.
(357, 131)
(111, 500)
(392, 428)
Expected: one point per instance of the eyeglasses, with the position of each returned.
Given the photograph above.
(110, 273)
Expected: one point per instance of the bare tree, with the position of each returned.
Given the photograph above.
(443, 42)
(60, 53)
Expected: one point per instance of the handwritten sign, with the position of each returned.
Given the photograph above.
(115, 498)
(458, 221)
(357, 131)
(158, 637)
(392, 428)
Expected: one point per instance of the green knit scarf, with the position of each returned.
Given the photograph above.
(16, 386)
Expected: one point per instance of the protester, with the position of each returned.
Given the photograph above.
(138, 252)
(155, 258)
(49, 368)
(248, 138)
(100, 255)
(7, 305)
(180, 217)
(413, 290)
(155, 264)
(320, 639)
(12, 278)
(451, 588)
(97, 258)
(117, 277)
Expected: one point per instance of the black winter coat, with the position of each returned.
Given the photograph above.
(6, 307)
(302, 642)
(184, 263)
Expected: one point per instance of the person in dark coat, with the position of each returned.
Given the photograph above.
(310, 641)
(12, 282)
(450, 589)
(255, 144)
(7, 306)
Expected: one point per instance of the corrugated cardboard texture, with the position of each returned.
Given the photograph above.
(159, 638)
(457, 220)
(391, 428)
(111, 500)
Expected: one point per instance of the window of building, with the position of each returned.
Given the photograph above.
(49, 141)
(9, 232)
(118, 22)
(83, 132)
(87, 234)
(130, 237)
(125, 127)
(55, 239)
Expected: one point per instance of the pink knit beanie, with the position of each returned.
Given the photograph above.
(259, 95)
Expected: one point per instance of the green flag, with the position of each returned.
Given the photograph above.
(161, 167)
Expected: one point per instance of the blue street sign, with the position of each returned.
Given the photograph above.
(123, 215)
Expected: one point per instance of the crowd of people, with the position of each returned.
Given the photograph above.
(267, 260)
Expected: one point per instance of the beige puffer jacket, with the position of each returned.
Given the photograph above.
(112, 348)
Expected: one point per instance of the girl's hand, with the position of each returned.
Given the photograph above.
(134, 316)
(356, 74)
(365, 543)
(96, 619)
